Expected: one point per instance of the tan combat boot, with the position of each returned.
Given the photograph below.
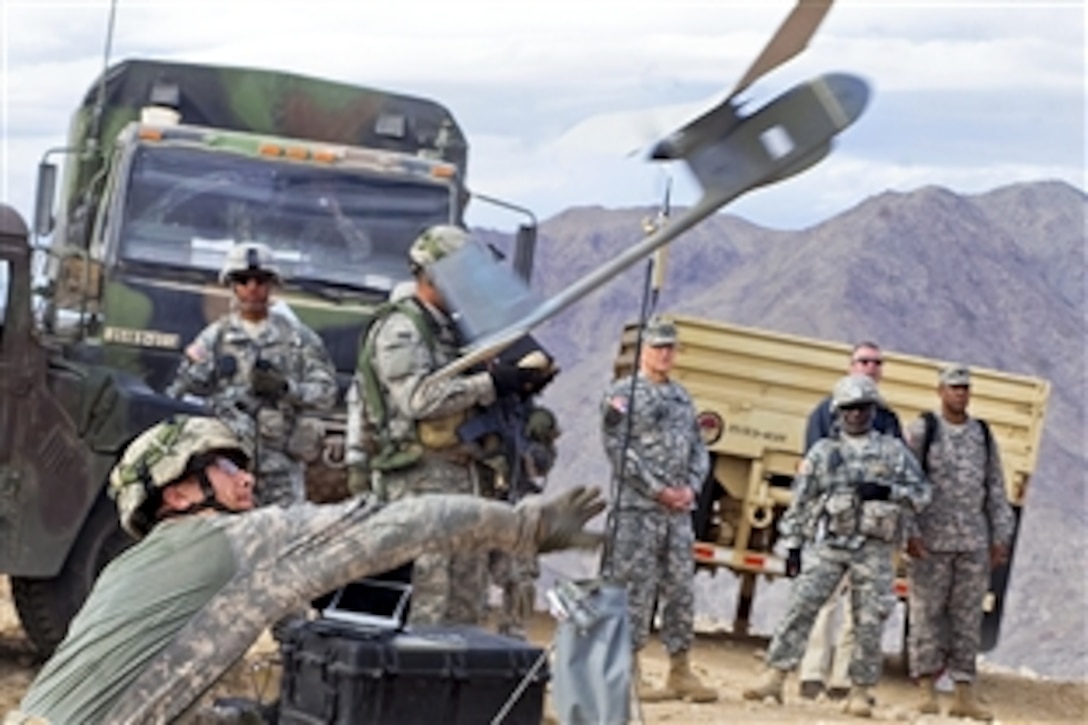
(857, 704)
(770, 685)
(649, 693)
(967, 705)
(684, 683)
(928, 704)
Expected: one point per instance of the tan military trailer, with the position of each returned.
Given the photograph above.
(754, 390)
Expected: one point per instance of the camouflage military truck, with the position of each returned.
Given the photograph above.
(754, 390)
(167, 166)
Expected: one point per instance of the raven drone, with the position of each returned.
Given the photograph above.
(727, 151)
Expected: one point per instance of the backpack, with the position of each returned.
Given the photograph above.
(930, 419)
(373, 415)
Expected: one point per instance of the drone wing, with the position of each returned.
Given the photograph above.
(790, 39)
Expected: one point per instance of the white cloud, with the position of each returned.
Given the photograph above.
(557, 93)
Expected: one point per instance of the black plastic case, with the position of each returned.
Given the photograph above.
(342, 672)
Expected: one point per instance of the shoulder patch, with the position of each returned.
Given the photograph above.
(196, 352)
(615, 409)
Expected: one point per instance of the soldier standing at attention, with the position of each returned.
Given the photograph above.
(823, 666)
(261, 372)
(658, 456)
(418, 449)
(954, 543)
(856, 483)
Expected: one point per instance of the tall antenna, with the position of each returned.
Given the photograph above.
(649, 226)
(100, 103)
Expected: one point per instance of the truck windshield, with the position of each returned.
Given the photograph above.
(186, 207)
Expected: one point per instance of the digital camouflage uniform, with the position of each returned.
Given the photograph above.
(859, 542)
(280, 559)
(826, 662)
(970, 512)
(652, 550)
(167, 618)
(856, 487)
(422, 415)
(285, 438)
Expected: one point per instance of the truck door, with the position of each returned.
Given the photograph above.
(16, 472)
(39, 446)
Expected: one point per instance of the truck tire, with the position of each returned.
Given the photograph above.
(46, 606)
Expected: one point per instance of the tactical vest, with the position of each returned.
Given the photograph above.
(846, 516)
(380, 451)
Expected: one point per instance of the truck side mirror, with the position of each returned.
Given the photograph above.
(43, 201)
(524, 251)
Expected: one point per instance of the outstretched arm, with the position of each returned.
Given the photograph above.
(326, 547)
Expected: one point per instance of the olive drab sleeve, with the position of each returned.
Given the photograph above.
(404, 365)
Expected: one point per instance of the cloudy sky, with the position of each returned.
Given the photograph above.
(968, 94)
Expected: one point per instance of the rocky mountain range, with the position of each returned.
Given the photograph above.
(994, 279)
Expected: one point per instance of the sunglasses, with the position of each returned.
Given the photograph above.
(868, 361)
(856, 406)
(229, 467)
(246, 278)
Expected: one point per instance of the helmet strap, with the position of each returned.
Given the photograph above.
(209, 502)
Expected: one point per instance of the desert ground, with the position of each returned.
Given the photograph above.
(728, 664)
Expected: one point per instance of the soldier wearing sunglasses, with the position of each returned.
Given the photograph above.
(824, 668)
(263, 373)
(854, 487)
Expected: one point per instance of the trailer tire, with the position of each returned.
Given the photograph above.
(46, 606)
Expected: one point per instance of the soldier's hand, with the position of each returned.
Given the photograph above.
(676, 498)
(872, 491)
(267, 381)
(667, 497)
(513, 380)
(999, 555)
(563, 520)
(793, 563)
(916, 548)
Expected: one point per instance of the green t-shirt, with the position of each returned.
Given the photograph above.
(161, 582)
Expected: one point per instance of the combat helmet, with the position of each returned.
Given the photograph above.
(435, 243)
(660, 332)
(161, 455)
(249, 257)
(854, 390)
